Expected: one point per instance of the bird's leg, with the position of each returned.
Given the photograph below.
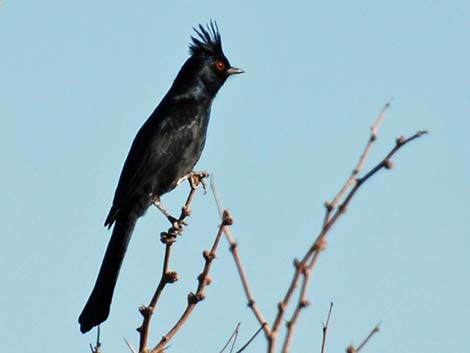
(176, 224)
(195, 179)
(160, 206)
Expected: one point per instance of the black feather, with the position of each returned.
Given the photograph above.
(209, 42)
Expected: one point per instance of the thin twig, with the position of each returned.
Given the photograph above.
(352, 349)
(250, 340)
(96, 349)
(330, 206)
(167, 276)
(320, 242)
(373, 332)
(232, 336)
(132, 349)
(325, 329)
(235, 338)
(241, 272)
(304, 267)
(203, 282)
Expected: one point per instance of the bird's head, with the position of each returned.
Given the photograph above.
(208, 60)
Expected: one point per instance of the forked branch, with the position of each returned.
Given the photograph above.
(203, 281)
(304, 267)
(168, 238)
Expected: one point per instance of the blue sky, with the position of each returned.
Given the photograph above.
(78, 79)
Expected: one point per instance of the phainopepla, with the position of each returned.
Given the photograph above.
(165, 149)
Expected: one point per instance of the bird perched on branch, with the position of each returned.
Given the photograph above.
(165, 149)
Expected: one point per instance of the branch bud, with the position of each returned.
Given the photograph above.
(399, 141)
(171, 277)
(192, 299)
(208, 255)
(185, 211)
(388, 164)
(145, 311)
(195, 298)
(206, 280)
(329, 207)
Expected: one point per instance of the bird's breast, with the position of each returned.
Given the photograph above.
(182, 150)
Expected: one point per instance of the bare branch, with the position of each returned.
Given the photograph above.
(320, 242)
(168, 238)
(304, 267)
(132, 349)
(203, 282)
(241, 272)
(233, 337)
(250, 340)
(325, 329)
(351, 348)
(360, 164)
(97, 347)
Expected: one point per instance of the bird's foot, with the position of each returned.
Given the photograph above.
(195, 179)
(177, 225)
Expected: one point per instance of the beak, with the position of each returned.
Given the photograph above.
(234, 71)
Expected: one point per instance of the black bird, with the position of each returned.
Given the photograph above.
(165, 149)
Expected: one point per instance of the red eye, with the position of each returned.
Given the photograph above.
(219, 65)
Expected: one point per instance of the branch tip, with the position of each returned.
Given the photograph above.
(329, 206)
(400, 140)
(227, 219)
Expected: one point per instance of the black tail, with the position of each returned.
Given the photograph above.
(97, 308)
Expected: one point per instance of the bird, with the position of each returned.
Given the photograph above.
(165, 149)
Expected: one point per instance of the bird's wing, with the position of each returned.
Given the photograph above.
(153, 147)
(134, 168)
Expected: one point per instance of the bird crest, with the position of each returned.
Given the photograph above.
(208, 42)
